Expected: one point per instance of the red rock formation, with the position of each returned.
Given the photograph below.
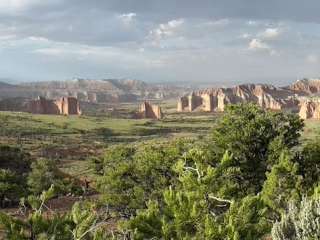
(306, 86)
(309, 109)
(182, 104)
(216, 99)
(62, 106)
(147, 110)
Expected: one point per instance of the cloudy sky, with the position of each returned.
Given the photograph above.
(214, 41)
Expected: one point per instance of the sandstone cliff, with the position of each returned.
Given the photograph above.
(148, 110)
(310, 109)
(62, 106)
(215, 99)
(306, 86)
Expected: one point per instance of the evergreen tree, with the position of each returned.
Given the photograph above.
(246, 131)
(283, 183)
(43, 174)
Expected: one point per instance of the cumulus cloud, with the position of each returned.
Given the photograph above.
(271, 33)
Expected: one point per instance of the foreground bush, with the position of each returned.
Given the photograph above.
(40, 223)
(14, 167)
(300, 222)
(133, 176)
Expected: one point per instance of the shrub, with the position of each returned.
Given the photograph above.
(300, 222)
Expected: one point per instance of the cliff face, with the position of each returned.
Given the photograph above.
(306, 86)
(147, 110)
(266, 96)
(62, 106)
(310, 109)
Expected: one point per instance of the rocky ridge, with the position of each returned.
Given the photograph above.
(291, 97)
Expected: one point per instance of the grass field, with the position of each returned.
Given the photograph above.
(43, 135)
(72, 139)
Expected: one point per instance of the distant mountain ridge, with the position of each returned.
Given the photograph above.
(92, 90)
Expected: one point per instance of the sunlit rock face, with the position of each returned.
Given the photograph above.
(148, 110)
(306, 86)
(309, 110)
(61, 106)
(215, 99)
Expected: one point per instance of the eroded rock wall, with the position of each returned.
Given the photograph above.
(211, 100)
(147, 110)
(310, 110)
(61, 106)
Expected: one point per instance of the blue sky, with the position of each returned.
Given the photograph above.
(230, 41)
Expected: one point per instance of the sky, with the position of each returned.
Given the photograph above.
(186, 41)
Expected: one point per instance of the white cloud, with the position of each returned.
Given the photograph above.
(7, 6)
(257, 44)
(127, 18)
(271, 33)
(167, 29)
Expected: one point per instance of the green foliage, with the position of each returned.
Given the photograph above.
(36, 225)
(232, 186)
(246, 131)
(300, 222)
(43, 174)
(189, 211)
(309, 166)
(14, 159)
(14, 165)
(247, 219)
(11, 187)
(132, 177)
(82, 223)
(87, 223)
(283, 183)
